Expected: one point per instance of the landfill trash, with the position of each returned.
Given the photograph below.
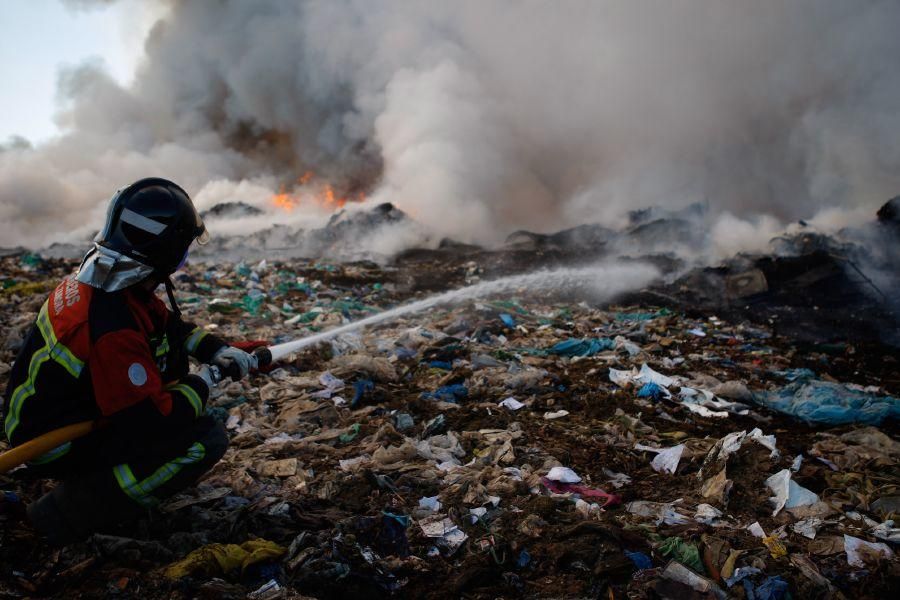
(708, 515)
(625, 344)
(648, 375)
(477, 513)
(686, 554)
(222, 559)
(756, 529)
(617, 480)
(432, 503)
(861, 553)
(581, 347)
(678, 572)
(512, 404)
(640, 560)
(403, 421)
(776, 548)
(808, 527)
(663, 512)
(563, 475)
(417, 450)
(448, 393)
(550, 416)
(666, 460)
(651, 390)
(773, 588)
(445, 533)
(832, 403)
(740, 574)
(788, 494)
(559, 487)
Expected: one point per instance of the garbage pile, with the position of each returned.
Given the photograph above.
(524, 445)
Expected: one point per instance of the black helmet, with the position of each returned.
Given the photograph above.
(152, 221)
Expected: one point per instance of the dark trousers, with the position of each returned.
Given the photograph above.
(113, 475)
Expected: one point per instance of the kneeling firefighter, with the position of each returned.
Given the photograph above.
(105, 347)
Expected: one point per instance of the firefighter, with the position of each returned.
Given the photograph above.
(105, 347)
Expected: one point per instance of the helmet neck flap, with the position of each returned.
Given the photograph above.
(108, 270)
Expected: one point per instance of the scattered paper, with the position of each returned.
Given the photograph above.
(436, 526)
(430, 502)
(555, 415)
(617, 480)
(512, 404)
(586, 509)
(808, 528)
(887, 531)
(666, 460)
(756, 529)
(563, 475)
(788, 494)
(767, 441)
(708, 515)
(630, 347)
(622, 378)
(476, 513)
(331, 384)
(705, 412)
(860, 552)
(663, 512)
(648, 375)
(352, 464)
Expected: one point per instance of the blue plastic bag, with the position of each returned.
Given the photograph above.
(651, 390)
(581, 347)
(818, 401)
(448, 393)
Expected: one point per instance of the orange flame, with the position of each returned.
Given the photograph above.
(309, 193)
(283, 200)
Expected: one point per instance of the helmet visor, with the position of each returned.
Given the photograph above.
(203, 236)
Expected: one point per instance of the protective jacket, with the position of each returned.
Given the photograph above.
(94, 354)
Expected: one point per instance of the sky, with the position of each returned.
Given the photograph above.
(38, 37)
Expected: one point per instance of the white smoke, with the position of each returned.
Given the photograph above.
(482, 117)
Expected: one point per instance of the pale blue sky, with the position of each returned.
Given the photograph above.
(37, 37)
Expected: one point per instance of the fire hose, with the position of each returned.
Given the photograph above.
(42, 444)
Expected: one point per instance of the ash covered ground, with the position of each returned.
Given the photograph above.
(724, 430)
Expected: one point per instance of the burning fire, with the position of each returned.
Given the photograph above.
(310, 193)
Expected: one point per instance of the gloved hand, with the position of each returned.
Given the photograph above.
(228, 355)
(210, 374)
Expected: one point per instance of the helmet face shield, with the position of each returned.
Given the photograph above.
(203, 238)
(202, 235)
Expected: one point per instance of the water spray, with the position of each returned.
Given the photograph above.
(604, 281)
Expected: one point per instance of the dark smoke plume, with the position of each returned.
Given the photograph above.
(481, 117)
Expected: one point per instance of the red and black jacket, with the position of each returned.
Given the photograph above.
(121, 355)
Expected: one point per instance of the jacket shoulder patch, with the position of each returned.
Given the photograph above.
(137, 374)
